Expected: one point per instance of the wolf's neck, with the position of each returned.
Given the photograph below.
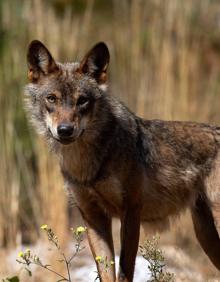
(79, 162)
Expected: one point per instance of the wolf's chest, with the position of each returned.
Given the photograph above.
(82, 166)
(83, 169)
(109, 195)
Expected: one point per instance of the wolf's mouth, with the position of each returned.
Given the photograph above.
(66, 140)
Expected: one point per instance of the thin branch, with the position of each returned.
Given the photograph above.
(53, 271)
(76, 252)
(67, 266)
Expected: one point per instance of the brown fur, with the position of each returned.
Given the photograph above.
(117, 164)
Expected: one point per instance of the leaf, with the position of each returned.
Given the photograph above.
(97, 277)
(13, 279)
(28, 271)
(60, 260)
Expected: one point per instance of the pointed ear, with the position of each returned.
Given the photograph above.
(95, 63)
(40, 61)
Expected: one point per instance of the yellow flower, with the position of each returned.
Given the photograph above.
(21, 254)
(44, 227)
(80, 229)
(99, 258)
(112, 262)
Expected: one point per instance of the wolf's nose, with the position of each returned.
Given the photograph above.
(65, 130)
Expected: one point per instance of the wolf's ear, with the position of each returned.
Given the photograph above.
(40, 61)
(95, 63)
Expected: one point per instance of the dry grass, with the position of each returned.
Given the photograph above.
(164, 64)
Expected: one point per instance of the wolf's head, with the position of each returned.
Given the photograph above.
(64, 99)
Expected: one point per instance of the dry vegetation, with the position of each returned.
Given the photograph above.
(165, 63)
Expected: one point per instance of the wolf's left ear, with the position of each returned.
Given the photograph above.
(40, 61)
(95, 63)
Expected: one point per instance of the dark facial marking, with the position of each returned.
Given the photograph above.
(50, 108)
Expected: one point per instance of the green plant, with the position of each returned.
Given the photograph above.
(104, 263)
(155, 258)
(149, 251)
(27, 258)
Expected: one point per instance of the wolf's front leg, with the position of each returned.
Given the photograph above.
(130, 230)
(100, 240)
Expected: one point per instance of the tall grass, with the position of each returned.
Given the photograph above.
(164, 64)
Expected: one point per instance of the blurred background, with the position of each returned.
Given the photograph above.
(165, 63)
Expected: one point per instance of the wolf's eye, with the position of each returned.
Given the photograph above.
(82, 101)
(51, 98)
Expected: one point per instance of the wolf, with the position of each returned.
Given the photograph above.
(120, 165)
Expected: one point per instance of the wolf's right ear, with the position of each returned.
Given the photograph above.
(40, 61)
